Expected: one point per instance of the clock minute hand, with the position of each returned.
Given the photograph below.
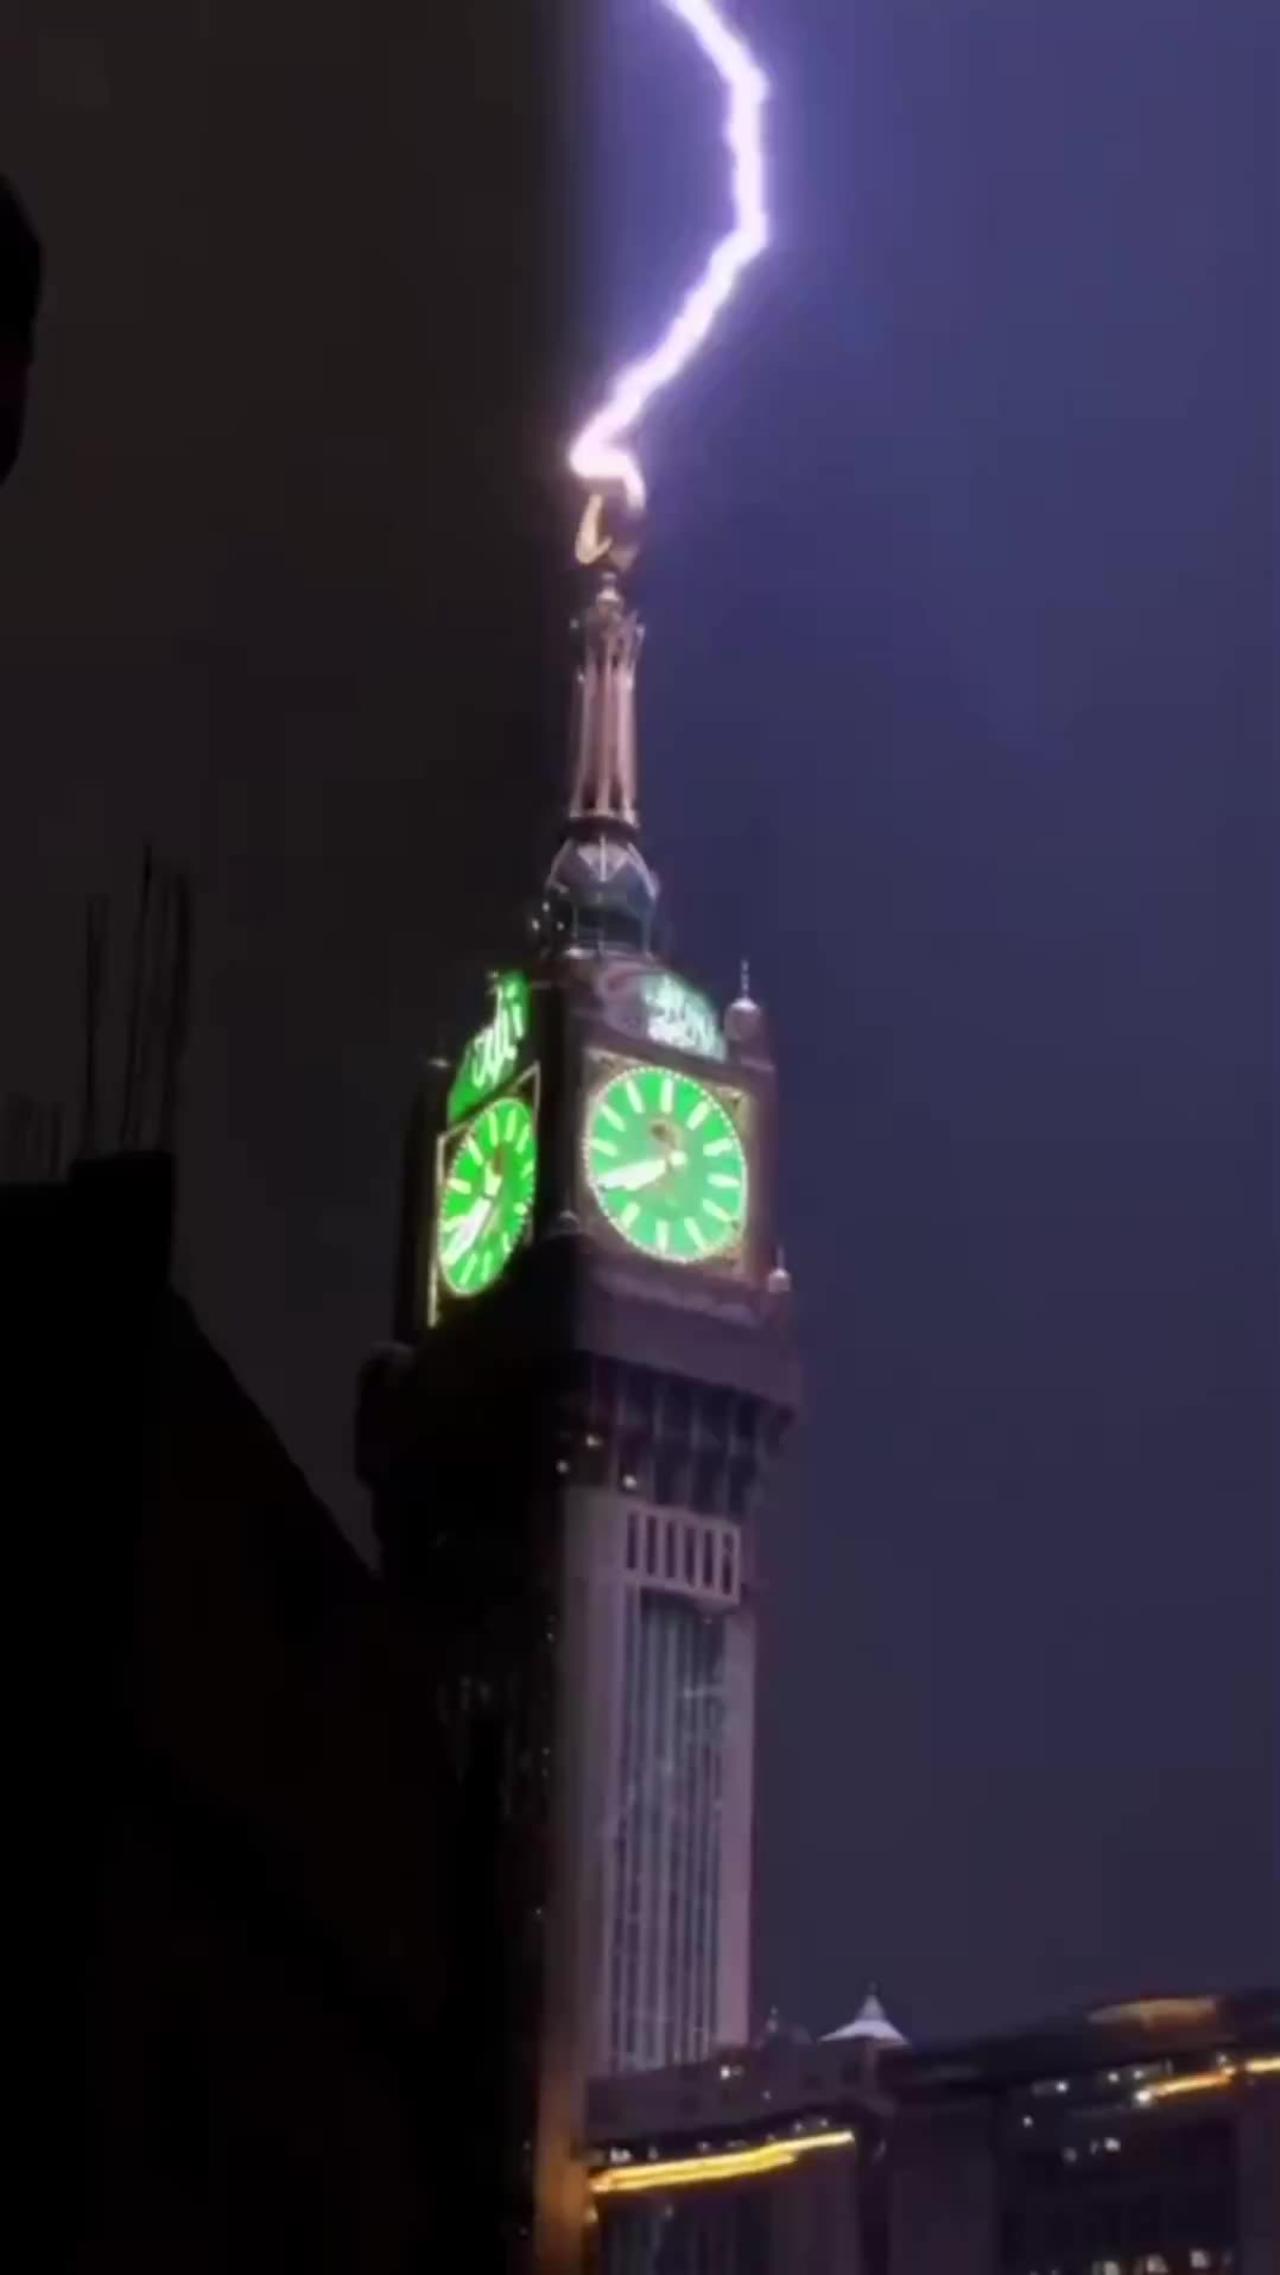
(633, 1176)
(466, 1231)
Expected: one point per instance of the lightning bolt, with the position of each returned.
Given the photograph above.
(599, 454)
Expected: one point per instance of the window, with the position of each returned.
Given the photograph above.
(741, 1472)
(708, 1472)
(677, 1407)
(595, 1462)
(633, 1462)
(671, 1471)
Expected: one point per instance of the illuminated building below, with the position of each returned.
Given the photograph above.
(1142, 2140)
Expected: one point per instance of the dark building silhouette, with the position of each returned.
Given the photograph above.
(282, 565)
(229, 1854)
(290, 519)
(20, 279)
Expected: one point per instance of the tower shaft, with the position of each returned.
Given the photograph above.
(567, 1469)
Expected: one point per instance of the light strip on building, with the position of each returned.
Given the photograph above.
(1200, 2081)
(714, 2165)
(1205, 2081)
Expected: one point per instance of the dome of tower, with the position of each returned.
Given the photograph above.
(745, 1025)
(779, 1282)
(600, 892)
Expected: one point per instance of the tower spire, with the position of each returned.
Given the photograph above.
(603, 788)
(600, 892)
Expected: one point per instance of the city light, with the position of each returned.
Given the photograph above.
(714, 2165)
(1200, 2081)
(599, 454)
(1204, 2081)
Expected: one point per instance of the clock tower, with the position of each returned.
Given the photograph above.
(567, 1447)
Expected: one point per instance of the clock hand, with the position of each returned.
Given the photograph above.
(464, 1231)
(467, 1229)
(632, 1176)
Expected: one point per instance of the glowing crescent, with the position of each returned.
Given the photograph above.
(592, 543)
(599, 454)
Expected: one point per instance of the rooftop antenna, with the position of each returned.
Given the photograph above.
(177, 1017)
(95, 967)
(128, 1094)
(158, 1009)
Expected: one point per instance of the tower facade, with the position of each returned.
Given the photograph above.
(567, 1447)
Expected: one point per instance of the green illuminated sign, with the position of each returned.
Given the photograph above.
(489, 1173)
(491, 1057)
(666, 1164)
(678, 1015)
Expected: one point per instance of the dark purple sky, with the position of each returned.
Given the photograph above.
(960, 718)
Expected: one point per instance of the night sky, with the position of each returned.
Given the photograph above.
(959, 719)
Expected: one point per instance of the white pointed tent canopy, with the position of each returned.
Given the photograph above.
(871, 2022)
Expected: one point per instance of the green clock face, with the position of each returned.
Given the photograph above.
(666, 1165)
(486, 1196)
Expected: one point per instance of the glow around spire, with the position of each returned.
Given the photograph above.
(599, 454)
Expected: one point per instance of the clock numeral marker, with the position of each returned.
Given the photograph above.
(633, 1094)
(713, 1208)
(525, 1139)
(725, 1177)
(603, 1145)
(700, 1112)
(668, 1093)
(611, 1115)
(457, 1185)
(664, 1234)
(696, 1234)
(627, 1216)
(719, 1145)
